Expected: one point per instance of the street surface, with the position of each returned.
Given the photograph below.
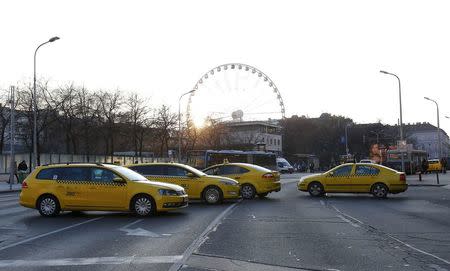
(288, 230)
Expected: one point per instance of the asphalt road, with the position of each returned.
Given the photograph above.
(288, 230)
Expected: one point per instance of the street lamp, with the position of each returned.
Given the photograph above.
(438, 126)
(401, 114)
(346, 138)
(35, 104)
(179, 123)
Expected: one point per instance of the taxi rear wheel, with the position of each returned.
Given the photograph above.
(48, 205)
(143, 205)
(212, 195)
(315, 189)
(248, 191)
(379, 190)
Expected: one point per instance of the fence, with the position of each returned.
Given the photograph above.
(50, 158)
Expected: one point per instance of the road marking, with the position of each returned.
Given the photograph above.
(140, 231)
(90, 261)
(202, 238)
(9, 204)
(418, 250)
(49, 233)
(390, 236)
(348, 221)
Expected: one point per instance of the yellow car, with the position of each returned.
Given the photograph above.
(198, 185)
(355, 178)
(434, 165)
(84, 187)
(254, 180)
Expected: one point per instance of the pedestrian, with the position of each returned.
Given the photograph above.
(311, 167)
(424, 166)
(22, 171)
(444, 165)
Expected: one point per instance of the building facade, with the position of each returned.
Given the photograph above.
(425, 137)
(262, 135)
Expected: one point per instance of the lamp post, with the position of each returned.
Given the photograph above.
(35, 103)
(401, 114)
(438, 127)
(179, 123)
(346, 139)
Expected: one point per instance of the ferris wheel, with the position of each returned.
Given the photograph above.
(233, 92)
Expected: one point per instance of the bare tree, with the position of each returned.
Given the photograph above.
(109, 112)
(164, 123)
(136, 116)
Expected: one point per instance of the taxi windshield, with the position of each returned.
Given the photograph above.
(130, 174)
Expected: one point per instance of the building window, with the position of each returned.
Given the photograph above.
(279, 142)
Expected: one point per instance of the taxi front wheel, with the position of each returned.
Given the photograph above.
(212, 195)
(48, 205)
(379, 190)
(143, 205)
(315, 189)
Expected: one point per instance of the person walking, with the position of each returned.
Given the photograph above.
(444, 165)
(311, 167)
(424, 166)
(22, 171)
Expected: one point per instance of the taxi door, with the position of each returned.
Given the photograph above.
(107, 190)
(365, 176)
(192, 184)
(339, 180)
(73, 184)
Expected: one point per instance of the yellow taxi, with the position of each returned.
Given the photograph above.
(355, 178)
(101, 187)
(198, 185)
(254, 180)
(434, 165)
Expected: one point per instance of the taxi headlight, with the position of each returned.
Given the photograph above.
(167, 192)
(229, 182)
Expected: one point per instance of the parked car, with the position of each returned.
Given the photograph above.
(89, 187)
(355, 178)
(254, 180)
(434, 165)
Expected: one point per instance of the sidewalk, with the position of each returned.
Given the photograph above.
(429, 179)
(4, 187)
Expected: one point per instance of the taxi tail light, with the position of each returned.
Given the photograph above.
(24, 185)
(268, 175)
(403, 177)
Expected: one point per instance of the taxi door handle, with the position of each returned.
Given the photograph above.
(237, 177)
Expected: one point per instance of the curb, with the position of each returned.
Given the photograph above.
(10, 191)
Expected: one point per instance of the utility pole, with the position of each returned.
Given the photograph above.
(12, 137)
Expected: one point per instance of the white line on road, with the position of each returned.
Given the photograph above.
(90, 261)
(201, 238)
(418, 250)
(131, 224)
(348, 221)
(390, 236)
(49, 233)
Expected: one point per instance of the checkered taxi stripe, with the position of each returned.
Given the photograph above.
(90, 183)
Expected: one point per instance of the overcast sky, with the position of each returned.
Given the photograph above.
(324, 56)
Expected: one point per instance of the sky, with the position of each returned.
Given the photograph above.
(323, 56)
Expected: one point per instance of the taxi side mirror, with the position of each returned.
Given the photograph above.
(190, 175)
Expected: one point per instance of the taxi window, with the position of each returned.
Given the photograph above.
(176, 171)
(343, 171)
(230, 169)
(49, 174)
(149, 169)
(102, 175)
(212, 171)
(366, 170)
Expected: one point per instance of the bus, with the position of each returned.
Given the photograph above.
(202, 159)
(411, 158)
